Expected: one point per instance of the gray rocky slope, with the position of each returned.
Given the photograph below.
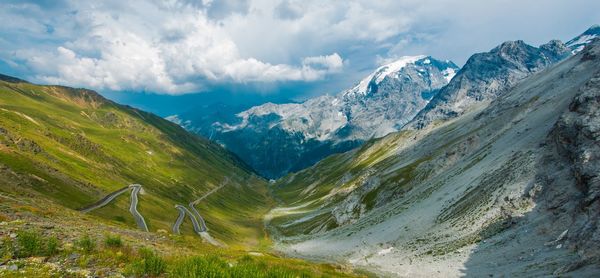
(486, 75)
(508, 186)
(278, 138)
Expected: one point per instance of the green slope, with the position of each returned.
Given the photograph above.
(73, 146)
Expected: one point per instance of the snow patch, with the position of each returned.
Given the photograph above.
(385, 251)
(449, 73)
(384, 71)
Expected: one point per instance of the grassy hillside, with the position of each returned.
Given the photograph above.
(73, 146)
(63, 149)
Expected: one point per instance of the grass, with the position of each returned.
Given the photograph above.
(148, 265)
(142, 261)
(246, 267)
(80, 146)
(30, 244)
(66, 148)
(113, 241)
(87, 244)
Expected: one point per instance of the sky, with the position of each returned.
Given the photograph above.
(282, 49)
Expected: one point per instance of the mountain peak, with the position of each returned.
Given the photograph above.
(369, 84)
(488, 74)
(578, 43)
(380, 73)
(510, 46)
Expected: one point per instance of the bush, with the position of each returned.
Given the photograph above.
(113, 241)
(150, 264)
(52, 246)
(200, 267)
(6, 250)
(87, 244)
(30, 244)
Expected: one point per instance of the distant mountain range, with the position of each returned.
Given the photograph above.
(275, 139)
(278, 138)
(497, 176)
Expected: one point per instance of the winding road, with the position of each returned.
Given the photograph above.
(139, 219)
(196, 213)
(104, 201)
(198, 222)
(135, 189)
(199, 217)
(179, 219)
(184, 210)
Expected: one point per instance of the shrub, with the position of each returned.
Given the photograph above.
(120, 218)
(87, 244)
(30, 244)
(6, 250)
(200, 267)
(52, 246)
(113, 241)
(150, 264)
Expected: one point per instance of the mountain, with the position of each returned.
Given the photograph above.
(579, 42)
(502, 187)
(486, 75)
(73, 147)
(275, 139)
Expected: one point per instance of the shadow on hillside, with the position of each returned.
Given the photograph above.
(547, 241)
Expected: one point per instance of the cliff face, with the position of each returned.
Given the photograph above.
(573, 192)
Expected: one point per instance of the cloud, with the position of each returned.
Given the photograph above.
(182, 46)
(181, 52)
(288, 10)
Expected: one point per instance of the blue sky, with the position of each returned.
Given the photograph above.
(281, 49)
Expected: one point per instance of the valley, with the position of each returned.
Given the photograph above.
(65, 157)
(421, 169)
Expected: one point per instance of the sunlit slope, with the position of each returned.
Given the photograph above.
(439, 199)
(74, 147)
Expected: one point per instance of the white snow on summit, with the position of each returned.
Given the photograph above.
(449, 73)
(382, 72)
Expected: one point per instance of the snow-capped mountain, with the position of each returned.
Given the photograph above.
(278, 138)
(411, 92)
(510, 189)
(578, 43)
